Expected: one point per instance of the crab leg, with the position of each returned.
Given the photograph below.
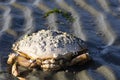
(81, 58)
(15, 69)
(21, 78)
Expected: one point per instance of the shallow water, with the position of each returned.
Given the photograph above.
(96, 22)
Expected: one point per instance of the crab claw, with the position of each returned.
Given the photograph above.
(22, 61)
(81, 58)
(11, 58)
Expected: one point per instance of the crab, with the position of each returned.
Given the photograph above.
(49, 50)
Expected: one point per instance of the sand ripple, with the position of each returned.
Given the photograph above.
(96, 21)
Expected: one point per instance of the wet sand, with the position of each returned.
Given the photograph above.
(96, 21)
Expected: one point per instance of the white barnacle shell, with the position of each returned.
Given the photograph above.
(48, 44)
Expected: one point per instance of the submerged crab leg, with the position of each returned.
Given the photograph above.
(81, 58)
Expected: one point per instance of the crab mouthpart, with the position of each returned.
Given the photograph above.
(50, 65)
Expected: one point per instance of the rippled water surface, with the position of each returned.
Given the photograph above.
(96, 21)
